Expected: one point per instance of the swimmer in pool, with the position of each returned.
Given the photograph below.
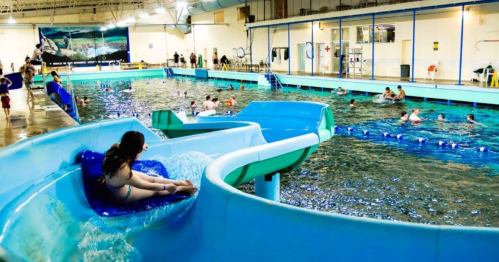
(353, 103)
(389, 94)
(341, 91)
(108, 89)
(185, 93)
(178, 92)
(219, 89)
(332, 91)
(414, 116)
(193, 107)
(441, 117)
(401, 94)
(216, 102)
(471, 119)
(208, 104)
(241, 87)
(404, 116)
(129, 186)
(231, 87)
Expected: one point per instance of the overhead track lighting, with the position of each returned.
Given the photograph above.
(103, 28)
(160, 10)
(143, 15)
(110, 26)
(130, 20)
(11, 20)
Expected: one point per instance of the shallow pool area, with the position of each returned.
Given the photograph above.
(354, 174)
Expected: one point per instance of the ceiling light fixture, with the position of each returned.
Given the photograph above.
(181, 5)
(130, 20)
(160, 10)
(11, 20)
(110, 26)
(103, 28)
(143, 15)
(121, 24)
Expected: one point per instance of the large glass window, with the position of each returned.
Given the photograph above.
(383, 33)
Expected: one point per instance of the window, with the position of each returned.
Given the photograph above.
(219, 17)
(383, 33)
(241, 15)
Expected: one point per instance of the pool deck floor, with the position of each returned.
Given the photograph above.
(30, 119)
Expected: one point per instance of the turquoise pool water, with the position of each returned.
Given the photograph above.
(354, 174)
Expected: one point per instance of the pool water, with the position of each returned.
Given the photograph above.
(365, 176)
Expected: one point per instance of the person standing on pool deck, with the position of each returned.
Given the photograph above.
(175, 59)
(414, 116)
(129, 186)
(215, 61)
(401, 95)
(182, 60)
(5, 83)
(193, 60)
(29, 76)
(1, 69)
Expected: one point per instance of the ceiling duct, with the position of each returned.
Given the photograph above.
(203, 7)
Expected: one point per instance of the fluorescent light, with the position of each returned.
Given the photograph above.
(130, 20)
(181, 5)
(144, 15)
(11, 20)
(111, 26)
(160, 10)
(103, 28)
(121, 24)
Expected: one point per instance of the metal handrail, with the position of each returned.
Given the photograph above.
(276, 78)
(69, 89)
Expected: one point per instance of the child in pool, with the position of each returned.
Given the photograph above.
(193, 107)
(129, 186)
(353, 103)
(341, 91)
(404, 116)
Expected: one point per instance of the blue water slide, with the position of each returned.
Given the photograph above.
(43, 208)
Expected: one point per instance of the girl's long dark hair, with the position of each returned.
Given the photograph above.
(131, 145)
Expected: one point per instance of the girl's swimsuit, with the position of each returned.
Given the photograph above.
(123, 199)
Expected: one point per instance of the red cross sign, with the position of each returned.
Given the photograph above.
(327, 48)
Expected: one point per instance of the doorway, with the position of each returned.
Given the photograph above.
(335, 48)
(321, 61)
(406, 52)
(302, 57)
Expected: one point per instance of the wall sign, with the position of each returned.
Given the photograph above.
(435, 46)
(83, 46)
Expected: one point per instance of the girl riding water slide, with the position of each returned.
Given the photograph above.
(128, 185)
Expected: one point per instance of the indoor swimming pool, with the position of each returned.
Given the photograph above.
(355, 174)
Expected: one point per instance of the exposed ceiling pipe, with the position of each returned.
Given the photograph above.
(202, 7)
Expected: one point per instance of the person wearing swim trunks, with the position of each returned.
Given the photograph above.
(414, 116)
(389, 94)
(29, 76)
(215, 61)
(5, 83)
(193, 60)
(401, 95)
(129, 186)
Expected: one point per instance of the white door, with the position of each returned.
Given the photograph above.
(322, 57)
(406, 52)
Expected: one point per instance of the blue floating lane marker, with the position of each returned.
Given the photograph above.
(421, 140)
(482, 149)
(365, 132)
(400, 137)
(441, 143)
(454, 145)
(386, 134)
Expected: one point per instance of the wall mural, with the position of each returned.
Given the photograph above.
(83, 46)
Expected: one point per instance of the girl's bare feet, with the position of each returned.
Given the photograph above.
(187, 190)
